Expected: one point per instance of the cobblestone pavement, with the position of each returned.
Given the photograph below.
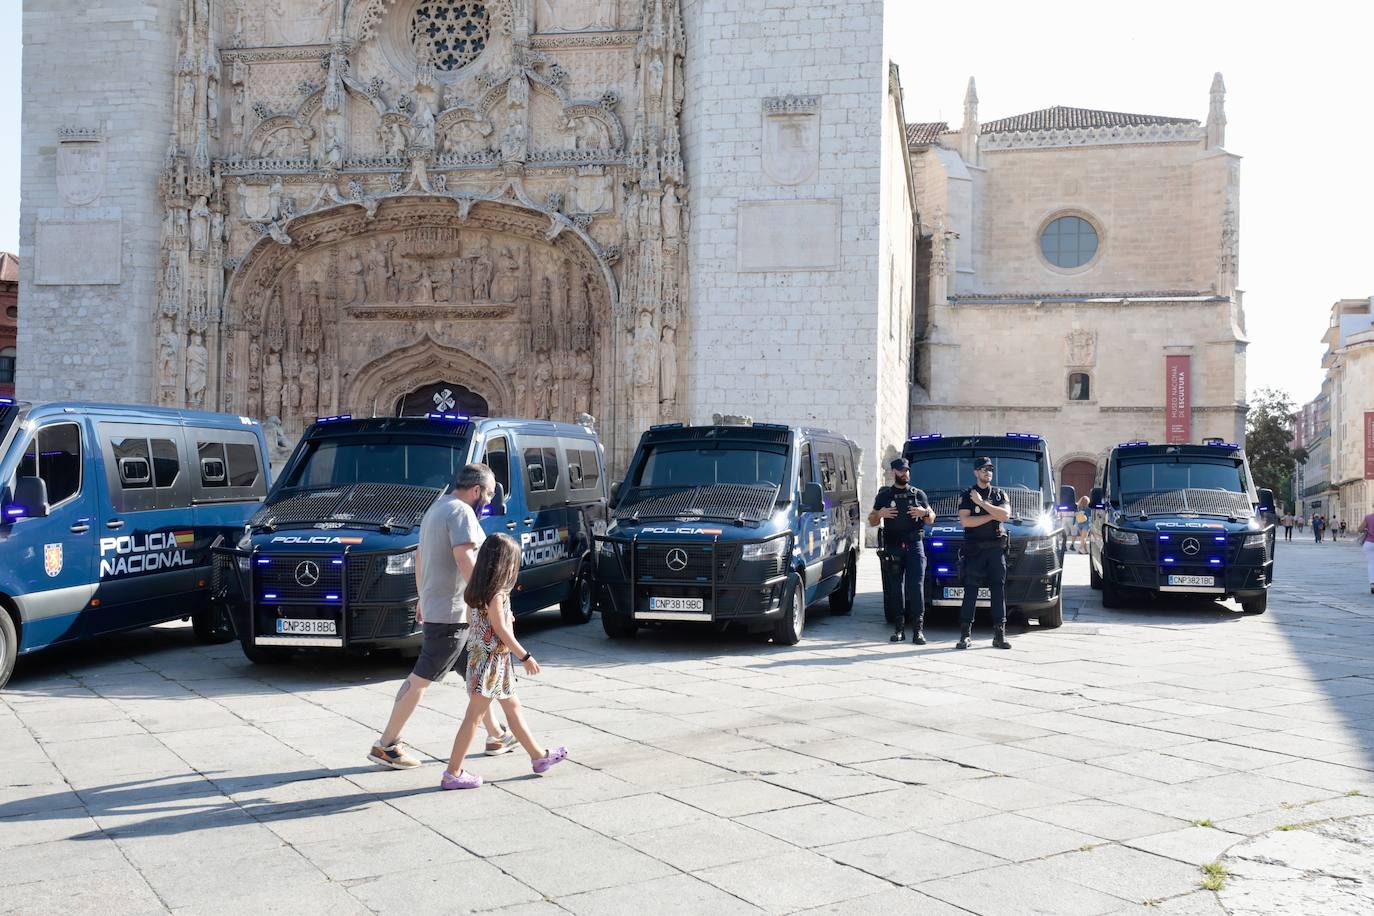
(1094, 769)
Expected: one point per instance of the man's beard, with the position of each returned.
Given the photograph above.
(903, 481)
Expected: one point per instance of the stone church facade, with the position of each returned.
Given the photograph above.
(1079, 280)
(292, 208)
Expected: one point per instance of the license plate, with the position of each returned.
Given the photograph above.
(293, 627)
(983, 593)
(676, 604)
(1193, 580)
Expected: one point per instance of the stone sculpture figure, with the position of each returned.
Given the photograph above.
(507, 285)
(310, 315)
(542, 383)
(332, 144)
(390, 270)
(167, 345)
(271, 384)
(200, 225)
(357, 272)
(582, 384)
(278, 445)
(482, 270)
(667, 368)
(197, 370)
(310, 384)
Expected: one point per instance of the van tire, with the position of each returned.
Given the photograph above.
(788, 630)
(264, 655)
(9, 646)
(1112, 596)
(842, 598)
(1052, 617)
(618, 626)
(580, 603)
(1094, 580)
(1255, 606)
(212, 625)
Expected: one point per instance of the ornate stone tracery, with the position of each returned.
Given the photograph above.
(365, 198)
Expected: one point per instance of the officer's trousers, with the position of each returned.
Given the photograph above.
(904, 576)
(985, 567)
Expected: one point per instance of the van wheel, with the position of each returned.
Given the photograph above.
(788, 630)
(212, 625)
(618, 626)
(1094, 579)
(9, 647)
(1112, 596)
(1255, 605)
(842, 598)
(264, 655)
(578, 606)
(1053, 616)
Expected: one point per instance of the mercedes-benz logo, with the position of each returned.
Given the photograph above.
(677, 559)
(1191, 546)
(307, 573)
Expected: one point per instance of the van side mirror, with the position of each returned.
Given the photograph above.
(1097, 498)
(498, 501)
(1266, 499)
(1068, 498)
(30, 499)
(615, 495)
(812, 498)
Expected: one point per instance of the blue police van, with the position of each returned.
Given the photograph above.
(731, 524)
(1181, 518)
(328, 562)
(108, 514)
(942, 466)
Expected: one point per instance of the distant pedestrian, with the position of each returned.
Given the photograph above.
(1318, 524)
(1288, 526)
(1365, 535)
(1080, 521)
(1340, 529)
(1302, 523)
(492, 653)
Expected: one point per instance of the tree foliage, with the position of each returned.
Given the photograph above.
(1269, 442)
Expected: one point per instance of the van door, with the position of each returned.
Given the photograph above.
(544, 529)
(811, 525)
(147, 567)
(55, 555)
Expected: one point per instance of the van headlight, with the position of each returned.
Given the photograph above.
(1039, 545)
(399, 564)
(1256, 540)
(765, 551)
(1124, 538)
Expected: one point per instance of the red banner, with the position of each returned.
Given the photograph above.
(1178, 399)
(1369, 445)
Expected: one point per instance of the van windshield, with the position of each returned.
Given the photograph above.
(954, 473)
(1141, 477)
(378, 459)
(677, 466)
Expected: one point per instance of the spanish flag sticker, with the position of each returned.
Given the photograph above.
(184, 538)
(350, 540)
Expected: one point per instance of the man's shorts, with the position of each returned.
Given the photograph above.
(442, 647)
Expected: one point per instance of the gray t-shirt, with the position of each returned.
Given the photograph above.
(447, 523)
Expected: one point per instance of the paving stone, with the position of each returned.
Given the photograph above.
(1008, 793)
(922, 771)
(916, 807)
(1130, 873)
(894, 901)
(909, 857)
(816, 825)
(742, 796)
(1157, 766)
(111, 892)
(676, 894)
(832, 782)
(632, 814)
(1020, 890)
(1104, 819)
(706, 844)
(1012, 837)
(1192, 844)
(591, 865)
(791, 882)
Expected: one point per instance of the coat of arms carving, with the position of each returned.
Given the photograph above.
(80, 167)
(791, 138)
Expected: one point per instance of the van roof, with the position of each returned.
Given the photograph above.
(135, 412)
(1195, 449)
(932, 442)
(450, 423)
(753, 432)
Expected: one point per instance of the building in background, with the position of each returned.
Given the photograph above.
(1079, 280)
(1349, 392)
(1312, 479)
(9, 320)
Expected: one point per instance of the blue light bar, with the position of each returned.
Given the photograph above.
(1220, 538)
(6, 400)
(345, 416)
(1217, 442)
(1137, 444)
(337, 562)
(1023, 436)
(1168, 559)
(448, 416)
(937, 543)
(263, 561)
(331, 597)
(269, 596)
(1164, 537)
(770, 426)
(1215, 561)
(926, 436)
(15, 512)
(665, 426)
(942, 569)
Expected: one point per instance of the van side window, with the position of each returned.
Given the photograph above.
(830, 478)
(244, 469)
(534, 471)
(214, 472)
(804, 468)
(166, 462)
(134, 463)
(583, 473)
(498, 459)
(550, 468)
(55, 456)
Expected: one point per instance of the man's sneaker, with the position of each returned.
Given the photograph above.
(464, 780)
(393, 756)
(557, 755)
(501, 744)
(964, 635)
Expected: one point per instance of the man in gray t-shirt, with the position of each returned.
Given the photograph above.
(450, 536)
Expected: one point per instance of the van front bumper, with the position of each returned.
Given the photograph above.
(1033, 578)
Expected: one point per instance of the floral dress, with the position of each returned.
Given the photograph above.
(491, 670)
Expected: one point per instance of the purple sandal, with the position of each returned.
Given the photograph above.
(557, 755)
(464, 780)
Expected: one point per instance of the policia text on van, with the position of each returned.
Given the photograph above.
(731, 524)
(108, 516)
(329, 561)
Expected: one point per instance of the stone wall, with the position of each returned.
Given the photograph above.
(782, 129)
(97, 80)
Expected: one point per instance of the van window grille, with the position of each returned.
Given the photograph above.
(752, 502)
(364, 504)
(1200, 502)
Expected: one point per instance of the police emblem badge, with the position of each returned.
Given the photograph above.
(52, 559)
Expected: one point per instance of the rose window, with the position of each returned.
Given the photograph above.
(453, 33)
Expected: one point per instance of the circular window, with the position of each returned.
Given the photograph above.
(1068, 242)
(453, 33)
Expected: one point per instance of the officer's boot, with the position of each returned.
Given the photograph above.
(918, 635)
(965, 633)
(898, 634)
(999, 638)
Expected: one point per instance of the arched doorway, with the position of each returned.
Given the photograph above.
(442, 397)
(1079, 474)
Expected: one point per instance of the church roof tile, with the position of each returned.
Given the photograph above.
(923, 133)
(1060, 117)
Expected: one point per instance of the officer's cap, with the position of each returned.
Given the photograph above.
(980, 463)
(900, 464)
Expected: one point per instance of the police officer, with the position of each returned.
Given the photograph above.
(982, 510)
(903, 511)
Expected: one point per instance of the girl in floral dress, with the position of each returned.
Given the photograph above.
(493, 651)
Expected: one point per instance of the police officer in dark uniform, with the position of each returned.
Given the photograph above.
(904, 512)
(982, 510)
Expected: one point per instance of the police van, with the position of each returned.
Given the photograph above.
(731, 524)
(1184, 519)
(328, 562)
(942, 466)
(108, 514)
